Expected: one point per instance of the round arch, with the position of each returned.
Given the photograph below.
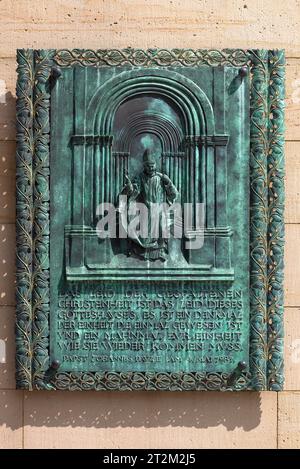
(188, 98)
(169, 133)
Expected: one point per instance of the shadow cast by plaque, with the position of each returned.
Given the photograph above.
(143, 409)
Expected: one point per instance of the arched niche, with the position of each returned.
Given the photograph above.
(139, 118)
(193, 108)
(193, 154)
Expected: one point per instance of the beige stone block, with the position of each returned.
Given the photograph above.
(11, 419)
(292, 265)
(7, 347)
(150, 420)
(7, 182)
(289, 420)
(292, 113)
(292, 186)
(7, 264)
(8, 78)
(151, 23)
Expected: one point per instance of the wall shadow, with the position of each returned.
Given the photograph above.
(7, 238)
(143, 409)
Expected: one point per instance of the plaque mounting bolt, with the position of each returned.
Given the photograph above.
(50, 374)
(236, 374)
(243, 72)
(55, 73)
(55, 365)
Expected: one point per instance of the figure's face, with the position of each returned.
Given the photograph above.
(149, 168)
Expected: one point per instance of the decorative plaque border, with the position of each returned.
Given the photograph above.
(36, 70)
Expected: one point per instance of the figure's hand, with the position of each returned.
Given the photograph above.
(129, 184)
(165, 179)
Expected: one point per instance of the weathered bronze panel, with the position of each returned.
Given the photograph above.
(155, 246)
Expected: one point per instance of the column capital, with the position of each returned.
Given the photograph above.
(208, 140)
(177, 154)
(91, 139)
(121, 154)
(220, 139)
(215, 140)
(191, 141)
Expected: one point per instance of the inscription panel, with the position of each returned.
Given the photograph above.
(151, 327)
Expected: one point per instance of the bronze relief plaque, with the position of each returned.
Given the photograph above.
(150, 219)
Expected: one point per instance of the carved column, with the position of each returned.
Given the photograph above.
(206, 182)
(91, 160)
(194, 179)
(216, 179)
(172, 166)
(103, 170)
(79, 146)
(120, 160)
(210, 182)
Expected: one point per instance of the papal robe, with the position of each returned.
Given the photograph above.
(152, 191)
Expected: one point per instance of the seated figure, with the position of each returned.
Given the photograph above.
(150, 188)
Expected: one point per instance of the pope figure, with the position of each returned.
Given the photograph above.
(152, 189)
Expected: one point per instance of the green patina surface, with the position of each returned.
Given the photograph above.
(111, 311)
